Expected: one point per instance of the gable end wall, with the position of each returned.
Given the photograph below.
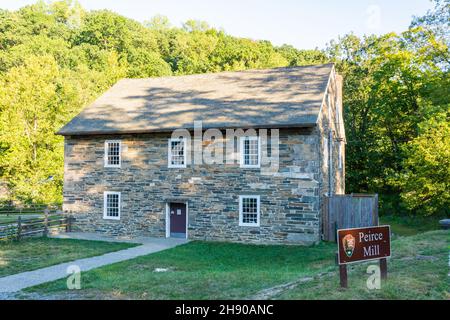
(333, 181)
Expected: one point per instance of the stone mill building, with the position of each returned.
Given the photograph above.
(138, 160)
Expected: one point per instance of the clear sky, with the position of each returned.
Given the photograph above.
(305, 24)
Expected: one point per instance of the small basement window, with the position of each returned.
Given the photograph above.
(111, 205)
(250, 150)
(112, 153)
(249, 211)
(177, 153)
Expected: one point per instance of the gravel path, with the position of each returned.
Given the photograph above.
(17, 282)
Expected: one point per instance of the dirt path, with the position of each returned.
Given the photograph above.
(272, 292)
(269, 293)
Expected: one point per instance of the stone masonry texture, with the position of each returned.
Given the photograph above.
(290, 199)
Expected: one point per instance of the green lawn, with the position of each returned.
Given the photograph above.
(207, 270)
(201, 270)
(14, 217)
(410, 225)
(417, 270)
(34, 253)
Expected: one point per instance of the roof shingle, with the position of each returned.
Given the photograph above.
(281, 97)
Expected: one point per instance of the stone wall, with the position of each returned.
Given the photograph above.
(289, 198)
(331, 120)
(330, 126)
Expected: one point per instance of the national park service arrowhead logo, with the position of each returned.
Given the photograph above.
(349, 244)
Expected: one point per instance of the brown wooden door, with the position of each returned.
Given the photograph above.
(177, 213)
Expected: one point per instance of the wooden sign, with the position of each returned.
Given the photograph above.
(360, 244)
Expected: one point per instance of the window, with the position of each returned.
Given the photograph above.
(329, 107)
(338, 110)
(250, 148)
(111, 205)
(112, 153)
(249, 211)
(325, 152)
(340, 155)
(177, 153)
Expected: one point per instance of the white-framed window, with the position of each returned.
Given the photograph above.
(111, 205)
(177, 153)
(339, 154)
(329, 107)
(325, 152)
(249, 211)
(250, 151)
(113, 149)
(338, 111)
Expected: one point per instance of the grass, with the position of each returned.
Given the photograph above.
(417, 270)
(203, 270)
(28, 216)
(410, 225)
(13, 217)
(200, 270)
(34, 253)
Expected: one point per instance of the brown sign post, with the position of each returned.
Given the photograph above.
(362, 244)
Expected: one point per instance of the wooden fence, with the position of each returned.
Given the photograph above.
(7, 210)
(39, 226)
(348, 211)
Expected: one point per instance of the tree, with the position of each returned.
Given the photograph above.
(297, 57)
(110, 31)
(31, 160)
(437, 20)
(56, 58)
(158, 23)
(425, 178)
(144, 63)
(392, 83)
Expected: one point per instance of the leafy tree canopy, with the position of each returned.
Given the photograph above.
(55, 58)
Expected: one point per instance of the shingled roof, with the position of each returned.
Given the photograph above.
(281, 97)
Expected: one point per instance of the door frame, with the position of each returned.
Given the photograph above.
(168, 216)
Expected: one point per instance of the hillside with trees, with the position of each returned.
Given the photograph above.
(57, 58)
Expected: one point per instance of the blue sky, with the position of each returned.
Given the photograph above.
(304, 24)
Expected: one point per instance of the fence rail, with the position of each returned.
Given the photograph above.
(49, 223)
(348, 211)
(28, 209)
